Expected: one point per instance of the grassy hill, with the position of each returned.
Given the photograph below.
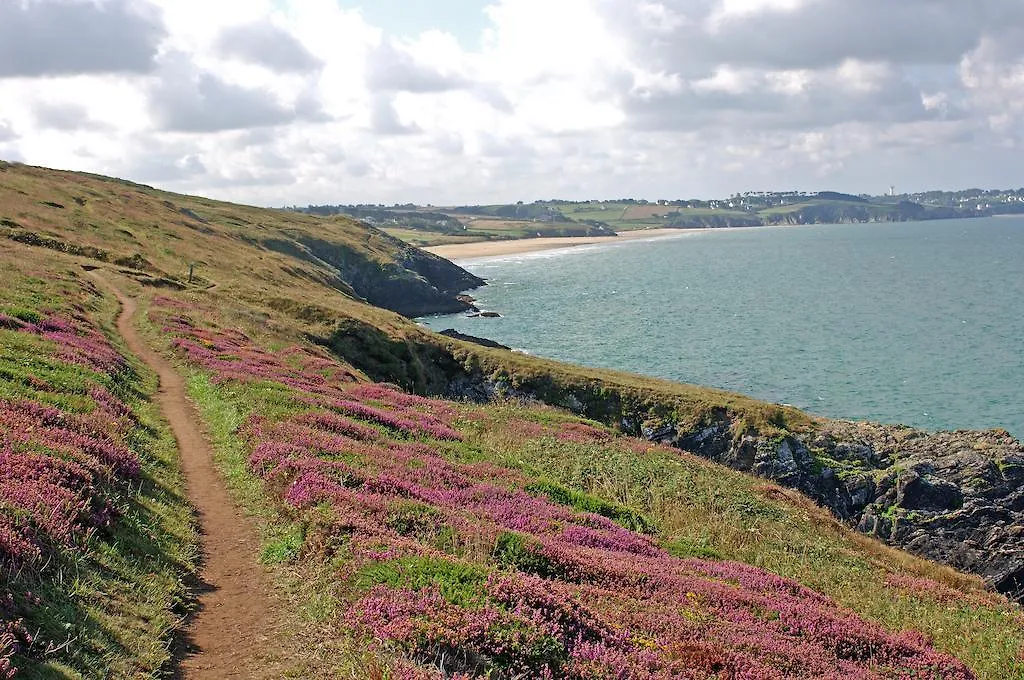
(429, 506)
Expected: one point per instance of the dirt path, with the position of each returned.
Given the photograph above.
(234, 633)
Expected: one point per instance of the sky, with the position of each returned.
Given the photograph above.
(293, 102)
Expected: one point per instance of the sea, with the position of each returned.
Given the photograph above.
(913, 323)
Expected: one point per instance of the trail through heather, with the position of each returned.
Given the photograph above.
(234, 632)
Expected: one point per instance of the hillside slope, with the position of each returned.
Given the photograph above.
(516, 521)
(162, 235)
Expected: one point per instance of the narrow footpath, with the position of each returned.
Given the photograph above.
(234, 633)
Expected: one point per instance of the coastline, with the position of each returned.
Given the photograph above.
(463, 251)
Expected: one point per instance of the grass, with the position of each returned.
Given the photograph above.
(426, 239)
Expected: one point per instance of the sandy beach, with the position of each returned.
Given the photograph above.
(465, 251)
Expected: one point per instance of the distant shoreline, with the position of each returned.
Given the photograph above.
(465, 251)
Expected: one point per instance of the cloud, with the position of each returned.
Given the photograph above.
(289, 101)
(993, 75)
(7, 133)
(163, 166)
(185, 99)
(267, 45)
(66, 37)
(813, 34)
(384, 118)
(394, 67)
(64, 116)
(771, 100)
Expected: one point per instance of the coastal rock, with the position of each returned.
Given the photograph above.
(483, 342)
(952, 497)
(416, 283)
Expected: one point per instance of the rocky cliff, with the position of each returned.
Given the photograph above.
(413, 282)
(952, 497)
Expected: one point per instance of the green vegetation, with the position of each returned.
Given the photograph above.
(584, 502)
(459, 583)
(706, 511)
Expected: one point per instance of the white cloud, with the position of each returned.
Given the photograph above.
(281, 101)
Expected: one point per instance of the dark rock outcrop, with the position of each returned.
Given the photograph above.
(483, 342)
(952, 497)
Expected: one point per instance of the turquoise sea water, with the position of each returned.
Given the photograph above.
(918, 323)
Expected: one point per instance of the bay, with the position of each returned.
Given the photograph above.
(914, 323)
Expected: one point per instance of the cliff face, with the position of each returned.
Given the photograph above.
(953, 497)
(415, 283)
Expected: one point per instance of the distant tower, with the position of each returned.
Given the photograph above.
(892, 190)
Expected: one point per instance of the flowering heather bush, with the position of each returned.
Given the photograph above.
(473, 570)
(464, 569)
(231, 355)
(927, 589)
(579, 433)
(53, 464)
(582, 433)
(404, 420)
(61, 472)
(80, 343)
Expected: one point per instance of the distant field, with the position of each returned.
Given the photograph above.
(644, 212)
(601, 212)
(785, 209)
(480, 230)
(424, 239)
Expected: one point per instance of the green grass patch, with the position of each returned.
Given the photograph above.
(460, 583)
(584, 502)
(26, 315)
(517, 551)
(284, 548)
(684, 547)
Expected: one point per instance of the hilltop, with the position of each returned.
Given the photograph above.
(426, 506)
(432, 226)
